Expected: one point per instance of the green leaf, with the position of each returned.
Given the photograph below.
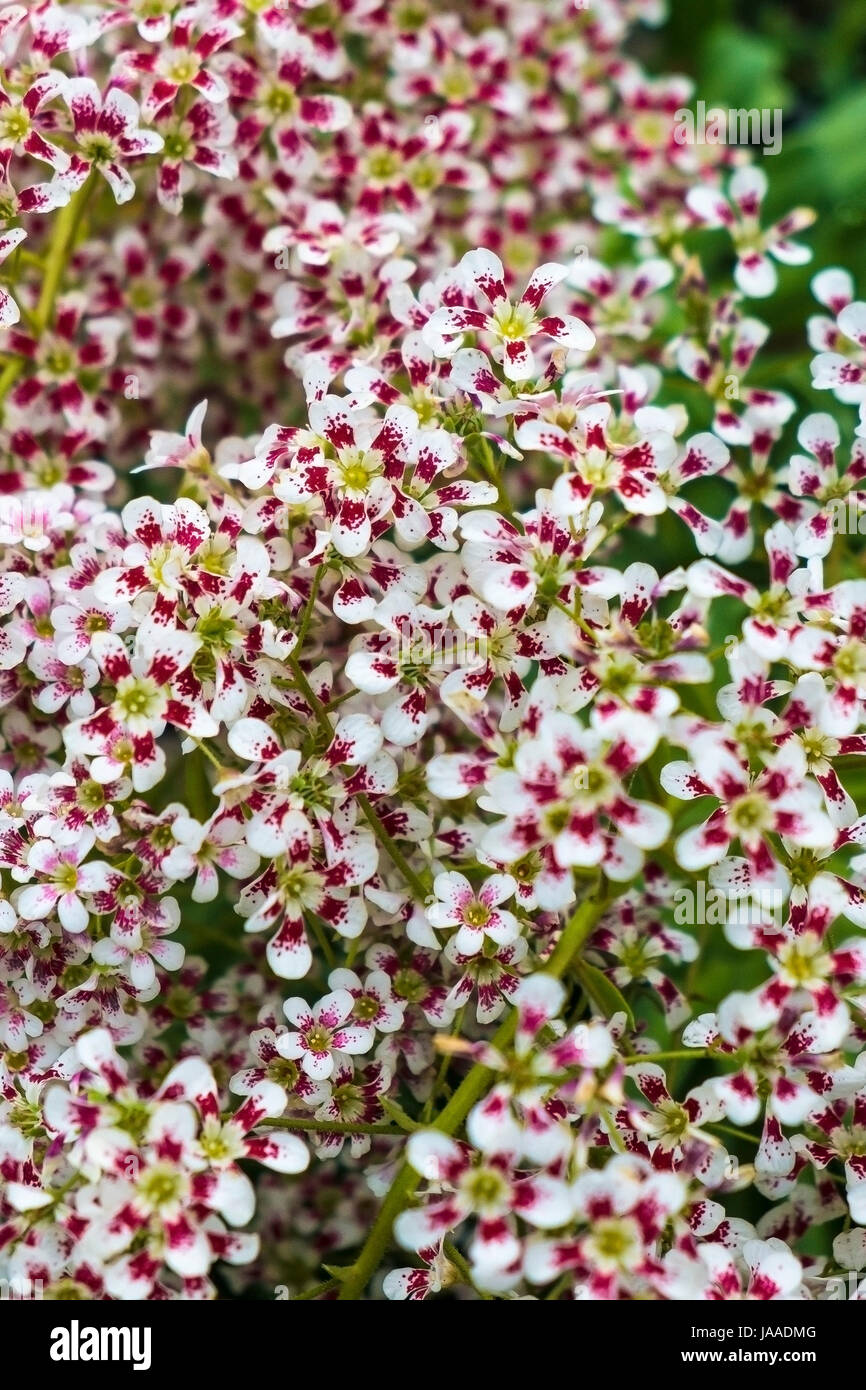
(602, 991)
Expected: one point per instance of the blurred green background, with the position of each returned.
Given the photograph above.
(808, 59)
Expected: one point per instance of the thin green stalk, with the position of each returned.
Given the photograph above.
(577, 620)
(309, 607)
(735, 1133)
(410, 878)
(481, 454)
(199, 793)
(439, 1083)
(310, 696)
(454, 1257)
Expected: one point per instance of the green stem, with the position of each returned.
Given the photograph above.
(575, 618)
(454, 1257)
(330, 1126)
(311, 697)
(309, 607)
(396, 855)
(735, 1133)
(324, 943)
(470, 1090)
(315, 1291)
(199, 795)
(480, 453)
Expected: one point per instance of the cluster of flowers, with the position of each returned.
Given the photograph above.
(332, 742)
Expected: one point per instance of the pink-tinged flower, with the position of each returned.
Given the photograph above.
(53, 30)
(400, 167)
(776, 615)
(566, 785)
(723, 356)
(840, 365)
(669, 1132)
(38, 198)
(817, 478)
(106, 134)
(183, 61)
(637, 939)
(219, 843)
(18, 1024)
(621, 301)
(477, 914)
(509, 568)
(58, 460)
(290, 798)
(763, 1270)
(138, 955)
(510, 326)
(65, 882)
(164, 539)
(222, 1140)
(323, 234)
(831, 643)
(807, 719)
(323, 1031)
(602, 465)
(309, 879)
(354, 1096)
(146, 692)
(485, 1186)
(64, 360)
(413, 980)
(269, 1065)
(838, 1133)
(781, 1053)
(754, 274)
(490, 649)
(403, 661)
(622, 1211)
(170, 450)
(807, 967)
(20, 131)
(416, 1284)
(202, 138)
(284, 114)
(144, 283)
(834, 288)
(491, 976)
(375, 1001)
(60, 684)
(355, 478)
(520, 1115)
(76, 624)
(9, 311)
(778, 801)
